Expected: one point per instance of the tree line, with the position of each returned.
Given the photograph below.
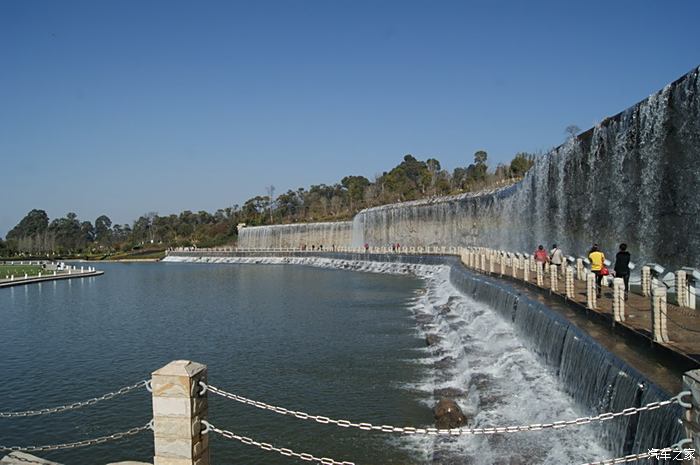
(412, 179)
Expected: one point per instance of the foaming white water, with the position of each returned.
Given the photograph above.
(480, 363)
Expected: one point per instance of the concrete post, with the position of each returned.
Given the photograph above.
(526, 270)
(569, 284)
(178, 410)
(503, 265)
(646, 281)
(492, 263)
(539, 268)
(691, 417)
(682, 288)
(579, 269)
(546, 268)
(658, 321)
(591, 293)
(619, 299)
(483, 262)
(553, 279)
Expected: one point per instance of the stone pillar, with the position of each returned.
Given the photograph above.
(553, 279)
(590, 291)
(658, 322)
(539, 269)
(619, 299)
(514, 262)
(526, 270)
(646, 281)
(492, 263)
(691, 418)
(483, 262)
(579, 269)
(503, 265)
(178, 410)
(569, 283)
(682, 288)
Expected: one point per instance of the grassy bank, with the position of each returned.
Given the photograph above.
(20, 270)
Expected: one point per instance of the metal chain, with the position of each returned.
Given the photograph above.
(269, 447)
(453, 431)
(75, 405)
(668, 318)
(84, 443)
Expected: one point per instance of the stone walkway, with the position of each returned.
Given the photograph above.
(683, 323)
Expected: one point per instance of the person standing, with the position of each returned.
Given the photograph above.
(556, 257)
(597, 259)
(541, 256)
(622, 267)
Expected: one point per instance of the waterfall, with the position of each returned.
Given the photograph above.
(633, 178)
(596, 379)
(295, 235)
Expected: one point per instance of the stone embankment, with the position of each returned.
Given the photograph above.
(71, 273)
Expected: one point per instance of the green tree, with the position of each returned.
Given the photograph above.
(521, 163)
(34, 223)
(103, 230)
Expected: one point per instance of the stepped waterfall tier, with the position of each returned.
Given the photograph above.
(633, 178)
(295, 235)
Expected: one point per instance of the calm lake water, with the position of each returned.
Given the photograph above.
(328, 342)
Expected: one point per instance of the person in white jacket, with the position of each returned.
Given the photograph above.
(556, 257)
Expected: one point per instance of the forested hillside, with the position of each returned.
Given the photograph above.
(411, 179)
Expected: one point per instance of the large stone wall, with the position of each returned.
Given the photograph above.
(633, 178)
(296, 235)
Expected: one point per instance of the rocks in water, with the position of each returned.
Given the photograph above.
(422, 318)
(480, 381)
(448, 392)
(488, 401)
(445, 362)
(444, 309)
(448, 414)
(432, 339)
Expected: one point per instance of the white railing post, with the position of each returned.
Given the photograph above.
(579, 269)
(503, 265)
(646, 281)
(682, 288)
(178, 410)
(619, 299)
(539, 268)
(553, 278)
(591, 293)
(569, 277)
(526, 270)
(659, 314)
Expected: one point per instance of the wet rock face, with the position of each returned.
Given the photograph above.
(432, 339)
(448, 414)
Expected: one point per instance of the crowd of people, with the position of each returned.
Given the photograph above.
(596, 257)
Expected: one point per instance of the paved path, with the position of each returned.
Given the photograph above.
(683, 323)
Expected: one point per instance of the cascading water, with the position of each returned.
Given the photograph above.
(296, 235)
(509, 360)
(633, 178)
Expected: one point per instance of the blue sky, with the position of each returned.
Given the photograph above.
(127, 107)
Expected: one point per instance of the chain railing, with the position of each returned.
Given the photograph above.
(77, 444)
(451, 431)
(74, 405)
(269, 447)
